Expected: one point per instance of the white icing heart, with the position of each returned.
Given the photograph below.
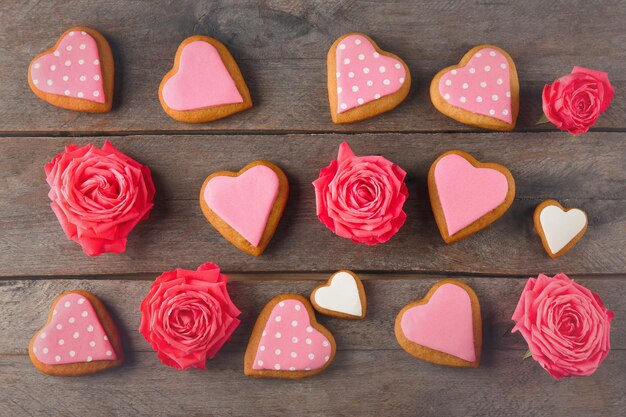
(560, 227)
(341, 295)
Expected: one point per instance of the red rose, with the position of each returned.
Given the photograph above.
(575, 101)
(187, 316)
(566, 326)
(98, 195)
(361, 198)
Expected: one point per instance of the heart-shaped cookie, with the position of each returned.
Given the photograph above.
(79, 338)
(246, 206)
(363, 80)
(444, 327)
(482, 90)
(287, 341)
(559, 228)
(466, 195)
(342, 296)
(76, 73)
(205, 83)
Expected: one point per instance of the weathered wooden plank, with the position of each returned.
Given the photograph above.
(586, 173)
(543, 164)
(281, 47)
(363, 383)
(25, 305)
(178, 235)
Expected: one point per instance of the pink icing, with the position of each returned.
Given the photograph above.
(202, 80)
(245, 201)
(72, 69)
(445, 323)
(288, 341)
(467, 193)
(482, 86)
(73, 335)
(364, 75)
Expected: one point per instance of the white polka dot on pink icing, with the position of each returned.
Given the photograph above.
(73, 335)
(482, 86)
(364, 75)
(72, 69)
(289, 342)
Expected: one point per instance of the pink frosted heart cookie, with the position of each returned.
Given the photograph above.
(246, 206)
(287, 341)
(205, 83)
(467, 195)
(76, 73)
(363, 80)
(79, 338)
(482, 90)
(444, 327)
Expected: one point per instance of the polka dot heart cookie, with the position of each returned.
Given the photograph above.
(363, 80)
(287, 342)
(482, 90)
(79, 338)
(76, 73)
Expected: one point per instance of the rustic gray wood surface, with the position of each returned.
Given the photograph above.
(281, 47)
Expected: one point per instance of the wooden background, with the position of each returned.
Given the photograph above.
(281, 47)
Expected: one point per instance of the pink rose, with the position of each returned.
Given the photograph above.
(187, 316)
(98, 195)
(361, 198)
(566, 326)
(575, 101)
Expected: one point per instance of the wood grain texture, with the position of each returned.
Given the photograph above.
(587, 173)
(250, 292)
(361, 383)
(281, 47)
(370, 375)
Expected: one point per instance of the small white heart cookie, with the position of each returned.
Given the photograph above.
(341, 296)
(559, 228)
